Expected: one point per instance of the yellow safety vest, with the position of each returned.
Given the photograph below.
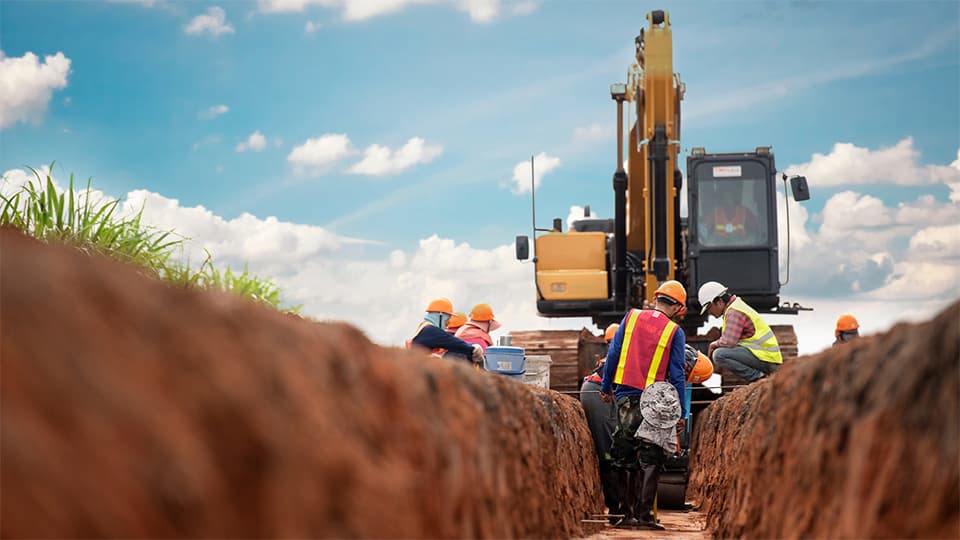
(763, 343)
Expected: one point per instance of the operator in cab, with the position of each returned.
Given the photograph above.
(724, 219)
(747, 348)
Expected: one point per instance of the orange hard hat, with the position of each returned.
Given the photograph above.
(702, 370)
(482, 313)
(440, 305)
(674, 290)
(847, 322)
(610, 332)
(456, 320)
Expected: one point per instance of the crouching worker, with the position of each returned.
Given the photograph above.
(648, 348)
(602, 420)
(431, 334)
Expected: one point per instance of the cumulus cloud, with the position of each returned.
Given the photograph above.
(311, 27)
(317, 154)
(213, 23)
(380, 160)
(254, 143)
(848, 164)
(543, 165)
(479, 11)
(214, 111)
(864, 245)
(26, 85)
(577, 213)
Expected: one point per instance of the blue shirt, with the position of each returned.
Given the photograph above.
(433, 337)
(675, 369)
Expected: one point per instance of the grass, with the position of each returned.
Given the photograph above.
(96, 226)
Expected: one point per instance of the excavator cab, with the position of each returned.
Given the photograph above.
(732, 224)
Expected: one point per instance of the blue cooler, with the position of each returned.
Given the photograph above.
(508, 361)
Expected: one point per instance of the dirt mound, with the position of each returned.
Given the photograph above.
(860, 441)
(132, 409)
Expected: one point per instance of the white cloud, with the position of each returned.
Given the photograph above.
(955, 186)
(543, 164)
(578, 212)
(213, 22)
(254, 143)
(317, 154)
(593, 132)
(379, 160)
(26, 85)
(865, 246)
(848, 164)
(311, 27)
(214, 111)
(479, 11)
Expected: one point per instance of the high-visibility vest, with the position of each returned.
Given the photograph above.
(645, 351)
(438, 352)
(763, 343)
(724, 226)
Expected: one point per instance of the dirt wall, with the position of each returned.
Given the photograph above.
(132, 409)
(860, 441)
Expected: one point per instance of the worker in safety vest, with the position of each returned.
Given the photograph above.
(747, 348)
(456, 321)
(602, 420)
(725, 221)
(431, 333)
(847, 328)
(477, 329)
(646, 351)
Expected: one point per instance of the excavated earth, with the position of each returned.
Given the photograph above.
(860, 441)
(132, 409)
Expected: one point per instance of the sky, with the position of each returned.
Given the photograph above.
(369, 155)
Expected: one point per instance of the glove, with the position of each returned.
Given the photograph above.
(477, 354)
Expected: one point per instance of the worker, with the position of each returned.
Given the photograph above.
(847, 328)
(647, 349)
(477, 329)
(602, 420)
(456, 321)
(431, 333)
(727, 221)
(747, 348)
(698, 367)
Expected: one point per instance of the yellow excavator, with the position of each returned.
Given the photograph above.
(603, 267)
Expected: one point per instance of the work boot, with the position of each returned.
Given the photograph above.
(649, 523)
(627, 523)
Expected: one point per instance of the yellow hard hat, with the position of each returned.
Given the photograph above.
(440, 305)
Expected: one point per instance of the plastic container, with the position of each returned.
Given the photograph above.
(538, 371)
(505, 359)
(518, 375)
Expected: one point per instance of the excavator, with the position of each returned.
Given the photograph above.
(600, 268)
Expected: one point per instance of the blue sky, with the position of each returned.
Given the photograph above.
(488, 90)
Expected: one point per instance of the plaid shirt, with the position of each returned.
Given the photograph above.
(738, 326)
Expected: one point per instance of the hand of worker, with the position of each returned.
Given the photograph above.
(477, 354)
(606, 396)
(681, 425)
(713, 347)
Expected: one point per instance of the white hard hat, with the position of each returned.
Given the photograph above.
(709, 292)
